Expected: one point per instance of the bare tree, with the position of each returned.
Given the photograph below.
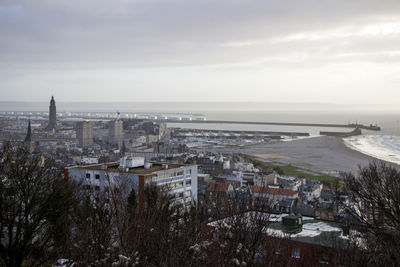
(35, 201)
(375, 194)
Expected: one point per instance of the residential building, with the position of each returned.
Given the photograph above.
(286, 205)
(292, 240)
(312, 190)
(233, 177)
(134, 173)
(327, 195)
(289, 182)
(250, 177)
(217, 193)
(245, 166)
(115, 131)
(275, 194)
(84, 133)
(265, 179)
(305, 210)
(210, 166)
(325, 210)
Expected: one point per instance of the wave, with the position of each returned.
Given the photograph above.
(384, 147)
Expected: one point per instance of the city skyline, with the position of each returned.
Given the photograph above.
(333, 52)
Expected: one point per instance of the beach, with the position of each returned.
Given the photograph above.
(323, 154)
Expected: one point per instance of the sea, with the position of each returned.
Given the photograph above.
(384, 144)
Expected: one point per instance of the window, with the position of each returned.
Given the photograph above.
(324, 258)
(296, 253)
(189, 172)
(215, 236)
(88, 175)
(178, 185)
(188, 182)
(97, 176)
(179, 173)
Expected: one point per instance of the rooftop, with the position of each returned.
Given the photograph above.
(218, 187)
(313, 231)
(114, 167)
(273, 191)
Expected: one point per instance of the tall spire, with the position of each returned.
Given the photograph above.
(28, 137)
(52, 115)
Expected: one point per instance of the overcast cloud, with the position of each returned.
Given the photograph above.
(336, 51)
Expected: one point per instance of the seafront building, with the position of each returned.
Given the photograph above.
(134, 173)
(84, 133)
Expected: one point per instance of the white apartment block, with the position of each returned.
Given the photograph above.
(179, 180)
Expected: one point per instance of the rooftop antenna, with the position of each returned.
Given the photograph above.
(118, 115)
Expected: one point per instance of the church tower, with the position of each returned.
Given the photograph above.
(52, 115)
(28, 143)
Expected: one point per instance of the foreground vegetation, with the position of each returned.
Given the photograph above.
(45, 218)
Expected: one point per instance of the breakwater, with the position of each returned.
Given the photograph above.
(231, 134)
(351, 125)
(355, 132)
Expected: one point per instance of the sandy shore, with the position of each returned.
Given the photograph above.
(322, 154)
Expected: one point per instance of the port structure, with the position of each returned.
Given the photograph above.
(351, 125)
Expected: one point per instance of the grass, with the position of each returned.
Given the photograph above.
(293, 171)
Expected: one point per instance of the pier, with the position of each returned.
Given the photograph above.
(355, 132)
(231, 134)
(351, 125)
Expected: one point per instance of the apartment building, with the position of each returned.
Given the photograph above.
(134, 173)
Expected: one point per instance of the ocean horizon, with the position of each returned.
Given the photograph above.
(384, 144)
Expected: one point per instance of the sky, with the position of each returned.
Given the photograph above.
(331, 51)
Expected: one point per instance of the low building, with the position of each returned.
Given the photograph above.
(250, 177)
(276, 194)
(265, 179)
(218, 193)
(305, 210)
(293, 240)
(289, 182)
(327, 194)
(312, 190)
(210, 166)
(286, 205)
(89, 160)
(245, 166)
(325, 210)
(234, 178)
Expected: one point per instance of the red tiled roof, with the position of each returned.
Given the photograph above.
(217, 187)
(273, 191)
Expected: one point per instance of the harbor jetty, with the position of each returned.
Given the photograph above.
(351, 125)
(355, 132)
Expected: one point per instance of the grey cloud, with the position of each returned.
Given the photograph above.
(63, 44)
(142, 33)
